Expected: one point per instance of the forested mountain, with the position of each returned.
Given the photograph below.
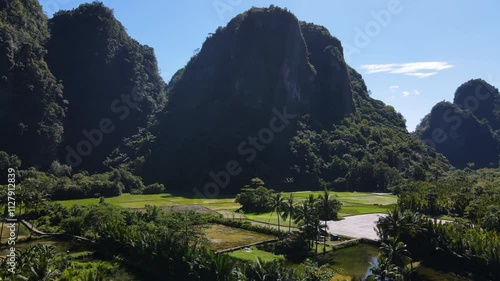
(32, 109)
(266, 96)
(467, 130)
(272, 97)
(107, 77)
(72, 87)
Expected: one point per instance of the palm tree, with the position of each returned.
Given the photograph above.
(406, 272)
(301, 216)
(398, 224)
(277, 203)
(395, 251)
(39, 263)
(3, 221)
(38, 198)
(260, 271)
(289, 210)
(308, 215)
(23, 196)
(390, 225)
(383, 269)
(206, 265)
(4, 203)
(328, 208)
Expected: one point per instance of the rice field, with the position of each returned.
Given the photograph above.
(224, 237)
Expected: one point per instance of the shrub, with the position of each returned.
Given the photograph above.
(295, 247)
(154, 188)
(255, 199)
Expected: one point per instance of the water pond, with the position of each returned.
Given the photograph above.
(355, 262)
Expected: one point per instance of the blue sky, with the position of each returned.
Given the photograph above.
(412, 54)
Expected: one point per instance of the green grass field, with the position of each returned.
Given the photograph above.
(360, 209)
(269, 218)
(254, 254)
(321, 246)
(138, 201)
(350, 197)
(354, 203)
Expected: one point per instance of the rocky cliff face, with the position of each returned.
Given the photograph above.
(481, 99)
(465, 131)
(332, 95)
(262, 59)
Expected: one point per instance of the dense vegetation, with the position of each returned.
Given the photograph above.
(466, 131)
(60, 183)
(471, 195)
(469, 245)
(153, 244)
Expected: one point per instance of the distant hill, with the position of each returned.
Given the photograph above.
(466, 131)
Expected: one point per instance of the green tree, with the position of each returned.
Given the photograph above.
(257, 200)
(491, 220)
(383, 269)
(308, 216)
(328, 209)
(8, 161)
(289, 210)
(397, 223)
(295, 247)
(395, 251)
(40, 263)
(278, 204)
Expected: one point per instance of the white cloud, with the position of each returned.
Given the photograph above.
(421, 74)
(393, 88)
(391, 98)
(405, 94)
(417, 69)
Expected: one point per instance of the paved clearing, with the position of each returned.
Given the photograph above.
(361, 226)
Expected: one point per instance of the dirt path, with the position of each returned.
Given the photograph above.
(283, 228)
(41, 233)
